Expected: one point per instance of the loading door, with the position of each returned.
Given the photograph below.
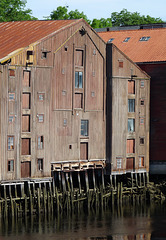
(84, 151)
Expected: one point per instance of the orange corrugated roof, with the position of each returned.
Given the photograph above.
(140, 51)
(16, 35)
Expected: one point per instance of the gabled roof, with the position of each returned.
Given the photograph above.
(18, 35)
(150, 50)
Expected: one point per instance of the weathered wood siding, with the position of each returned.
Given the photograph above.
(120, 149)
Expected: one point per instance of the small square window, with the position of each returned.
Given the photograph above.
(142, 84)
(142, 102)
(84, 127)
(40, 164)
(10, 166)
(119, 162)
(11, 72)
(64, 122)
(41, 96)
(44, 55)
(11, 118)
(120, 63)
(142, 140)
(40, 142)
(10, 142)
(141, 161)
(11, 96)
(142, 120)
(40, 118)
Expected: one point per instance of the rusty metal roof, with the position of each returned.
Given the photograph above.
(152, 49)
(18, 35)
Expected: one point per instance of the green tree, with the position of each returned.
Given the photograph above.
(126, 18)
(62, 13)
(14, 10)
(101, 23)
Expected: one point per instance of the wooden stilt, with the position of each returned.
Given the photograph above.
(111, 180)
(115, 181)
(144, 178)
(79, 182)
(140, 180)
(94, 180)
(102, 176)
(136, 179)
(87, 181)
(63, 181)
(132, 181)
(71, 181)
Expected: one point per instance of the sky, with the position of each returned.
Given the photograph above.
(99, 8)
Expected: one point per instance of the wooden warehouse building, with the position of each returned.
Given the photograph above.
(55, 77)
(146, 46)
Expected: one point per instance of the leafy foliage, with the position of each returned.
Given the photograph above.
(125, 18)
(14, 10)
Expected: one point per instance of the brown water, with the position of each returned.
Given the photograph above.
(128, 223)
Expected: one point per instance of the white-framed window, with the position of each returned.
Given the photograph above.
(118, 162)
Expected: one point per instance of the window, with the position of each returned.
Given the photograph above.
(131, 125)
(11, 118)
(64, 122)
(40, 118)
(142, 102)
(131, 87)
(130, 145)
(84, 127)
(110, 40)
(142, 39)
(131, 105)
(10, 166)
(10, 142)
(11, 96)
(40, 142)
(141, 120)
(44, 54)
(126, 39)
(141, 161)
(142, 83)
(40, 164)
(142, 140)
(119, 162)
(11, 73)
(121, 63)
(41, 96)
(78, 79)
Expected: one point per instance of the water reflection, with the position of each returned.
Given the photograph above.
(129, 223)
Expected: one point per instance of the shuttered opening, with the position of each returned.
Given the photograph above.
(26, 79)
(131, 87)
(84, 151)
(25, 169)
(79, 57)
(130, 163)
(78, 100)
(26, 146)
(26, 101)
(130, 145)
(25, 123)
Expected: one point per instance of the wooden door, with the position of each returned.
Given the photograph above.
(79, 57)
(26, 101)
(26, 79)
(131, 87)
(25, 146)
(130, 163)
(25, 169)
(78, 100)
(84, 151)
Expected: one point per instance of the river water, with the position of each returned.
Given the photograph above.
(128, 223)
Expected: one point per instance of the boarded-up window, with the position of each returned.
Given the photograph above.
(40, 142)
(78, 100)
(131, 87)
(26, 146)
(10, 142)
(130, 163)
(79, 57)
(141, 161)
(130, 145)
(26, 79)
(26, 101)
(84, 151)
(121, 63)
(11, 72)
(10, 165)
(25, 169)
(25, 123)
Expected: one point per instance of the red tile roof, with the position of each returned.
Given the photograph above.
(16, 35)
(140, 51)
